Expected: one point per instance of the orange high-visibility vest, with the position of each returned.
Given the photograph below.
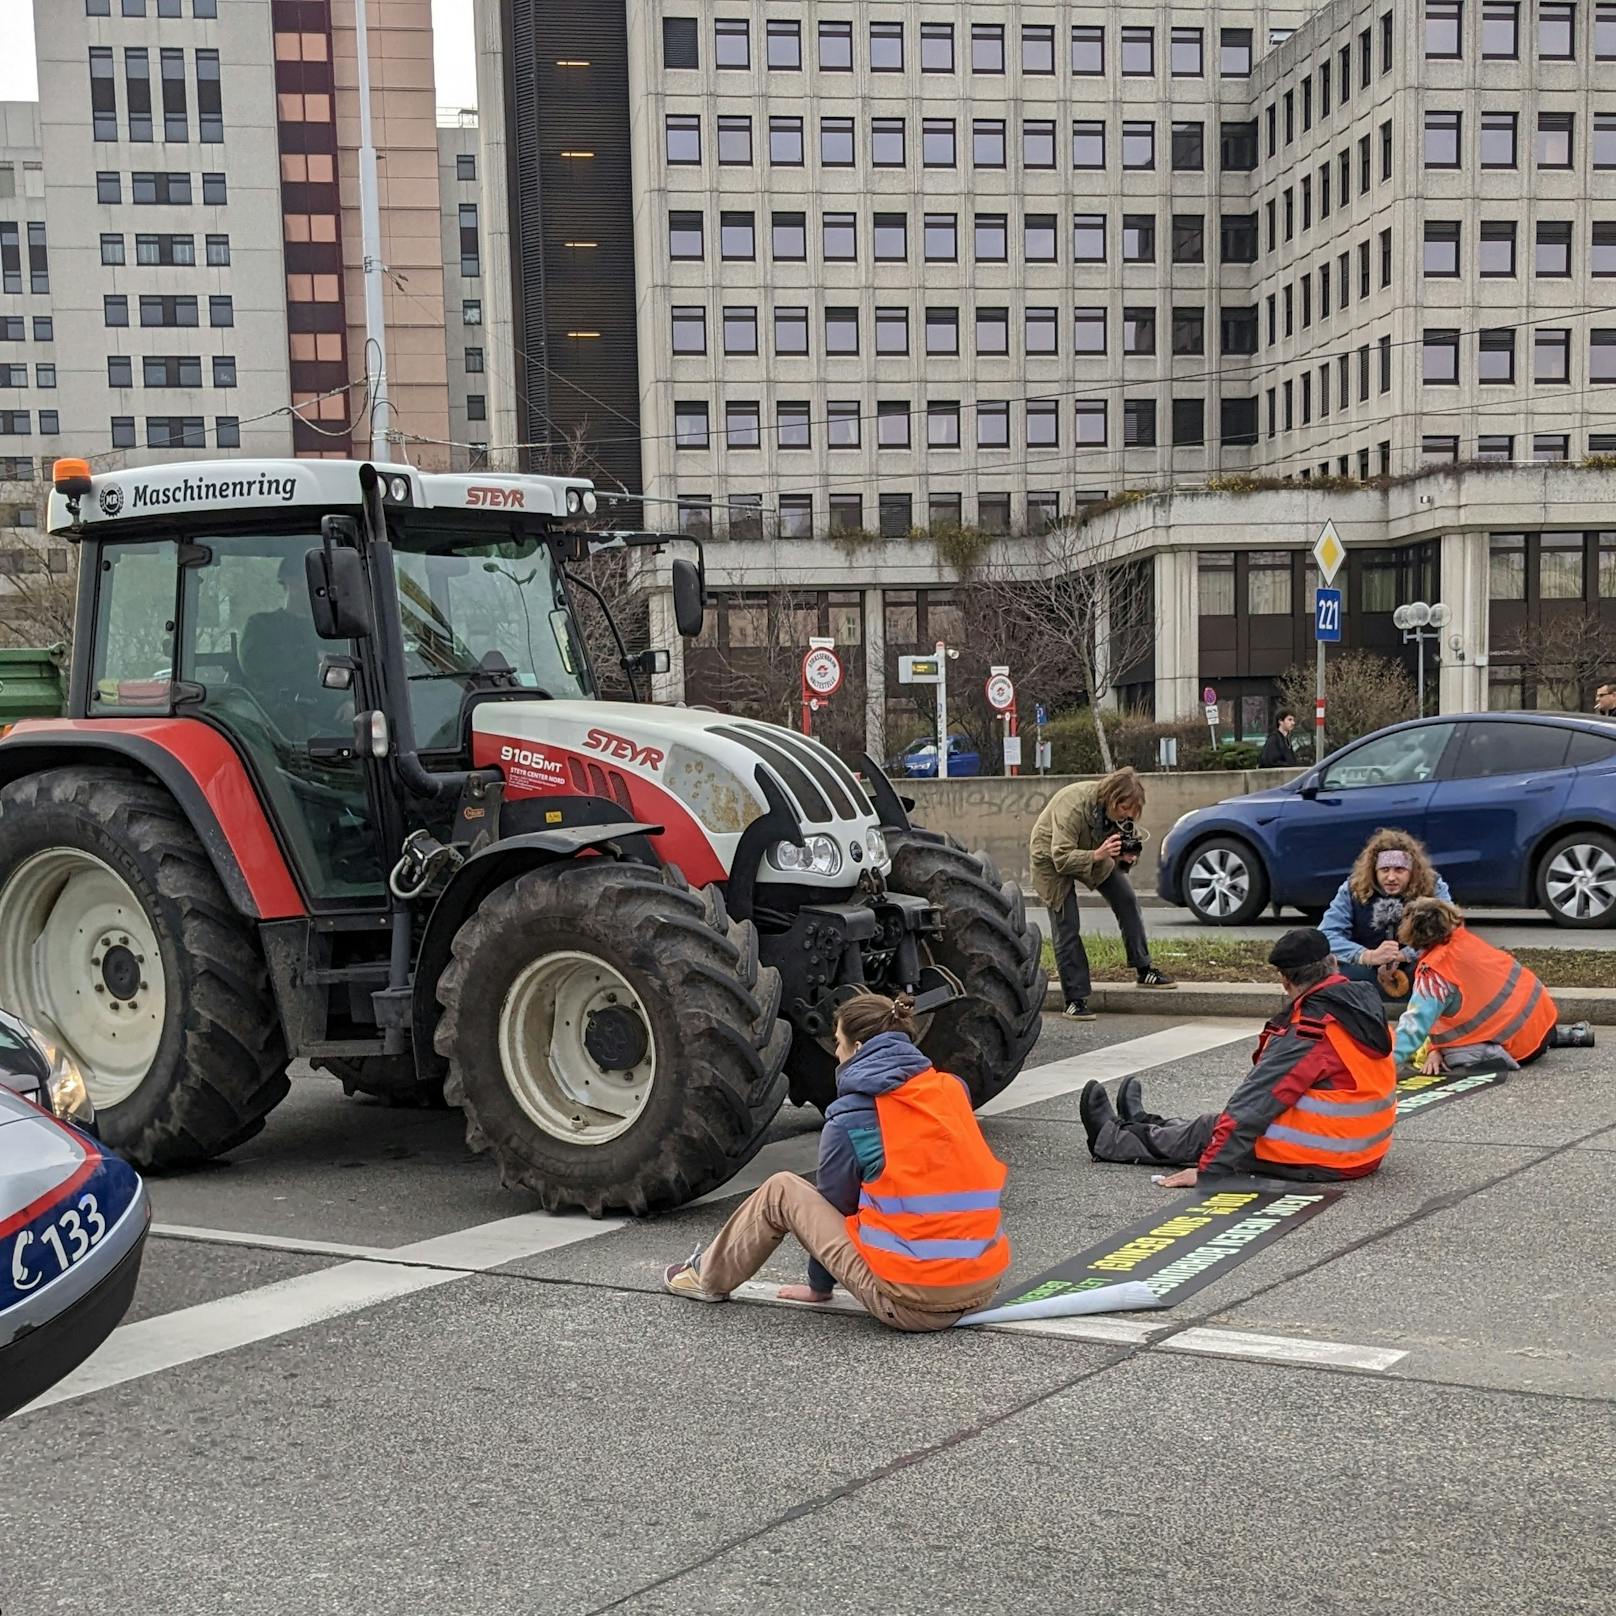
(1346, 1130)
(1500, 1001)
(931, 1216)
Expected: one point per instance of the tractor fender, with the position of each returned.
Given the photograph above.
(199, 768)
(496, 864)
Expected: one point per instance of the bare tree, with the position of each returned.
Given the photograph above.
(36, 593)
(1073, 608)
(1366, 692)
(1565, 656)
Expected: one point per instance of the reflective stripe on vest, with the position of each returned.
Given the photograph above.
(930, 1218)
(1512, 1008)
(1340, 1130)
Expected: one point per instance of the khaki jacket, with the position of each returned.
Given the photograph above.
(1063, 838)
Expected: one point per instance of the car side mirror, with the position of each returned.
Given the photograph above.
(339, 595)
(689, 607)
(1309, 788)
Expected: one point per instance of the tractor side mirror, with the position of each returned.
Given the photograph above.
(338, 594)
(689, 608)
(651, 663)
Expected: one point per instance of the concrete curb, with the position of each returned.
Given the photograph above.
(1193, 999)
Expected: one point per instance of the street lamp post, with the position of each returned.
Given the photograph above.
(1421, 622)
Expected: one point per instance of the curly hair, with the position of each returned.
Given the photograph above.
(1427, 922)
(1422, 878)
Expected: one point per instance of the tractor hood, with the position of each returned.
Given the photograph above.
(694, 773)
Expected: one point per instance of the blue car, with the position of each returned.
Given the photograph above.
(1518, 811)
(920, 761)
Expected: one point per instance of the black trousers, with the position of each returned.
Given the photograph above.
(1072, 959)
(1164, 1141)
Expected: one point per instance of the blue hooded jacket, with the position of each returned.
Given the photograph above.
(851, 1151)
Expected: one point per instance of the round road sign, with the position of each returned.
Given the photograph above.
(1209, 696)
(822, 671)
(1001, 692)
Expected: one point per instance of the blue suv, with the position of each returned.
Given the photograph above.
(1517, 809)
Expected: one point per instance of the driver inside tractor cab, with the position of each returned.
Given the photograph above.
(279, 659)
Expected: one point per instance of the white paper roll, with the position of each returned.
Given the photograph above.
(1128, 1297)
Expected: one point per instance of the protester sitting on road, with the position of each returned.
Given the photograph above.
(1080, 837)
(906, 1213)
(1473, 1004)
(1318, 1103)
(1278, 752)
(1361, 923)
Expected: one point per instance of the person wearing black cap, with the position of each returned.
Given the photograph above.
(1318, 1103)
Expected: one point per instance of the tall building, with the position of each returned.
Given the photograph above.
(913, 267)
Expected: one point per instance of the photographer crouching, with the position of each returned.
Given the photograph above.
(1087, 833)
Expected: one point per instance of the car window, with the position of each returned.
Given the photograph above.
(1389, 760)
(1590, 748)
(1491, 749)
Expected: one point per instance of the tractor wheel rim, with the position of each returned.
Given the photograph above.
(1219, 882)
(567, 1022)
(1581, 881)
(79, 960)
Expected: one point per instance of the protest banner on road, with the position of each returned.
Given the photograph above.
(1424, 1089)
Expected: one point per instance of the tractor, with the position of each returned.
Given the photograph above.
(334, 784)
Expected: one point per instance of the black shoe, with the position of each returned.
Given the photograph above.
(1094, 1106)
(1152, 978)
(1578, 1035)
(1130, 1099)
(1078, 1010)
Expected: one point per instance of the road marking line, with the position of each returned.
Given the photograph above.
(1283, 1349)
(381, 1274)
(267, 1242)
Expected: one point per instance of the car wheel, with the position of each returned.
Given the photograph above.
(1576, 880)
(1224, 882)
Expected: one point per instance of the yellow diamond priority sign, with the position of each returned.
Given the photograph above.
(1329, 552)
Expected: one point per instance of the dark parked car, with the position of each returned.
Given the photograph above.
(1518, 810)
(73, 1221)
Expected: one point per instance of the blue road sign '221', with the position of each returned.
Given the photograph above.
(1327, 615)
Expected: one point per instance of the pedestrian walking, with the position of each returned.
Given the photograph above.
(1605, 700)
(906, 1212)
(1277, 752)
(1318, 1104)
(1087, 836)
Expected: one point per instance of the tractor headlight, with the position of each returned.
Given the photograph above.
(65, 1086)
(875, 846)
(818, 855)
(575, 502)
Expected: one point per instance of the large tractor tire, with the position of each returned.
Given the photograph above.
(989, 947)
(118, 941)
(611, 1036)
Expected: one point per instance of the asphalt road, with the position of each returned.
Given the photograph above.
(371, 1382)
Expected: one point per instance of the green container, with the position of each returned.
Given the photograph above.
(33, 682)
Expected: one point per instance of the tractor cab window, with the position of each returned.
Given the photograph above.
(134, 630)
(481, 617)
(248, 641)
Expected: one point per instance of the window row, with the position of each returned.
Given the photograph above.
(170, 370)
(1314, 190)
(1556, 566)
(993, 143)
(1499, 31)
(987, 47)
(791, 516)
(1442, 448)
(19, 423)
(177, 432)
(165, 249)
(1308, 395)
(897, 424)
(1553, 245)
(17, 376)
(1334, 289)
(1498, 140)
(173, 90)
(939, 238)
(147, 188)
(14, 328)
(167, 310)
(1550, 348)
(1333, 75)
(11, 259)
(200, 9)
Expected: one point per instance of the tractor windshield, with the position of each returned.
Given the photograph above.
(477, 614)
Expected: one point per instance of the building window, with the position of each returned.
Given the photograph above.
(1234, 53)
(1042, 331)
(732, 43)
(1215, 577)
(1496, 251)
(742, 426)
(1237, 147)
(1500, 30)
(891, 238)
(1237, 238)
(470, 249)
(1038, 143)
(1138, 330)
(841, 331)
(789, 237)
(215, 190)
(836, 142)
(937, 143)
(1088, 143)
(740, 329)
(839, 232)
(1088, 331)
(217, 250)
(1497, 139)
(896, 515)
(887, 143)
(683, 138)
(1556, 32)
(685, 239)
(842, 418)
(1444, 29)
(689, 329)
(942, 237)
(991, 238)
(1186, 53)
(942, 331)
(891, 331)
(1138, 52)
(1088, 238)
(1551, 356)
(1268, 583)
(1440, 364)
(1602, 248)
(123, 432)
(1553, 255)
(835, 47)
(1554, 132)
(1043, 423)
(1037, 49)
(224, 369)
(471, 311)
(737, 236)
(679, 43)
(1605, 32)
(1139, 238)
(987, 47)
(1441, 247)
(1441, 140)
(1139, 423)
(222, 310)
(1238, 330)
(120, 371)
(473, 361)
(209, 98)
(108, 187)
(790, 330)
(793, 427)
(1602, 355)
(1089, 422)
(1138, 145)
(1495, 446)
(987, 142)
(937, 47)
(104, 97)
(892, 417)
(465, 165)
(943, 426)
(1088, 50)
(785, 142)
(735, 142)
(1189, 331)
(1189, 147)
(886, 47)
(1550, 447)
(1495, 360)
(992, 330)
(796, 516)
(1189, 238)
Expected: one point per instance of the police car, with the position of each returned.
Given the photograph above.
(73, 1221)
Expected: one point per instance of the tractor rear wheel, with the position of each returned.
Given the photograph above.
(989, 946)
(611, 1036)
(119, 943)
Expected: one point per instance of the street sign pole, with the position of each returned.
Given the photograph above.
(1318, 708)
(942, 711)
(1329, 552)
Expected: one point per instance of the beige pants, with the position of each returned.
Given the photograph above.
(787, 1204)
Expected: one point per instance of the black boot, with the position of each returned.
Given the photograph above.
(1578, 1035)
(1130, 1099)
(1094, 1106)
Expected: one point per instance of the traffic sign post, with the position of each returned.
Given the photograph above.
(1041, 748)
(1329, 552)
(1209, 699)
(821, 679)
(1001, 693)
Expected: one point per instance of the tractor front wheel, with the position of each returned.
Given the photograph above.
(118, 942)
(611, 1036)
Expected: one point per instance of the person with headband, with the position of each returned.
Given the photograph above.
(906, 1215)
(1361, 923)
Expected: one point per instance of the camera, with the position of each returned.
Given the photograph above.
(1133, 844)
